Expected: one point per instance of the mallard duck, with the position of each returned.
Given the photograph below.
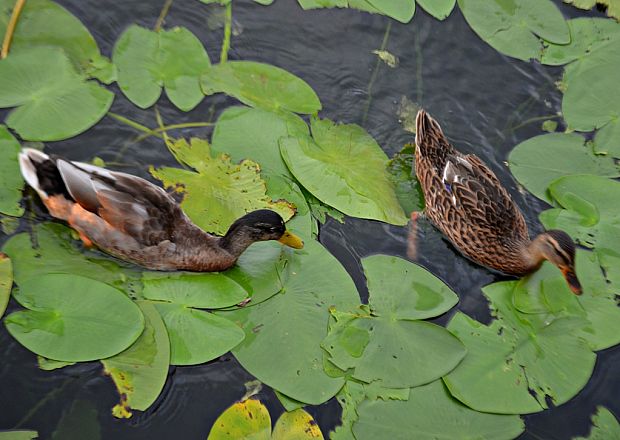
(134, 220)
(468, 204)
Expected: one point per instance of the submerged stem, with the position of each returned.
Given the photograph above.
(375, 72)
(10, 28)
(134, 124)
(227, 32)
(162, 15)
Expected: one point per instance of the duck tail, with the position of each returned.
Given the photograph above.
(30, 160)
(429, 138)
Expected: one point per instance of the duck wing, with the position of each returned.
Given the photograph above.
(128, 203)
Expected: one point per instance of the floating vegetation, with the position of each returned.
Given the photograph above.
(11, 181)
(605, 426)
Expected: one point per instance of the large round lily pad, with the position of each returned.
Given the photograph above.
(343, 166)
(72, 318)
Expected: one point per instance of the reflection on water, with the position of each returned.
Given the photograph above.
(484, 100)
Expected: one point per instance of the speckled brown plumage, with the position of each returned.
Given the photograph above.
(467, 203)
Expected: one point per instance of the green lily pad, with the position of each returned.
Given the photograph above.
(199, 290)
(440, 9)
(11, 181)
(587, 35)
(401, 10)
(147, 61)
(54, 103)
(384, 345)
(248, 419)
(591, 99)
(140, 371)
(6, 282)
(431, 413)
(253, 133)
(291, 325)
(46, 364)
(523, 356)
(605, 426)
(514, 27)
(345, 168)
(538, 161)
(19, 434)
(607, 139)
(588, 210)
(401, 169)
(261, 85)
(197, 336)
(218, 192)
(72, 318)
(44, 23)
(613, 8)
(296, 425)
(55, 251)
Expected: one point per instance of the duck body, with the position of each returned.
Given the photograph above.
(134, 220)
(468, 204)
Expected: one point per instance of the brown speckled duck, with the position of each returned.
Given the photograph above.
(134, 220)
(468, 204)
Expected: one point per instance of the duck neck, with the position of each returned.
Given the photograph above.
(236, 241)
(532, 253)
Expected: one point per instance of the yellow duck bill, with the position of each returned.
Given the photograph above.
(291, 240)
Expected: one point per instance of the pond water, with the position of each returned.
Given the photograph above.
(487, 103)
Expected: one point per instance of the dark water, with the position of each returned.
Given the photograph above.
(483, 100)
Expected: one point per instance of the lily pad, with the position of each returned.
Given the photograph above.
(591, 99)
(19, 434)
(530, 359)
(46, 364)
(11, 181)
(253, 133)
(605, 426)
(44, 23)
(401, 169)
(291, 325)
(383, 344)
(440, 9)
(607, 139)
(345, 168)
(296, 425)
(613, 8)
(55, 251)
(587, 36)
(514, 27)
(588, 210)
(199, 290)
(431, 413)
(218, 192)
(6, 282)
(538, 161)
(140, 371)
(248, 419)
(147, 61)
(72, 318)
(401, 10)
(261, 85)
(54, 103)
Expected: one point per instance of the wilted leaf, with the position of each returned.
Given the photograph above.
(140, 371)
(261, 85)
(11, 181)
(538, 161)
(514, 27)
(53, 103)
(243, 420)
(345, 168)
(72, 318)
(218, 192)
(147, 61)
(296, 425)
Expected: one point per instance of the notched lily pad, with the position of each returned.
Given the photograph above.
(613, 8)
(147, 61)
(218, 192)
(72, 318)
(54, 103)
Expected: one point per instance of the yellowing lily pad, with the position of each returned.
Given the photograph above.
(296, 425)
(11, 181)
(54, 103)
(147, 61)
(72, 318)
(218, 192)
(140, 371)
(243, 420)
(343, 167)
(261, 85)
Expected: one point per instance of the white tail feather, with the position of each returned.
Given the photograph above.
(28, 157)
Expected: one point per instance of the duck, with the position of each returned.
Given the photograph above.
(466, 201)
(132, 219)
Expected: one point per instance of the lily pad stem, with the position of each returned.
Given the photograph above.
(375, 72)
(529, 121)
(227, 32)
(10, 29)
(162, 15)
(134, 124)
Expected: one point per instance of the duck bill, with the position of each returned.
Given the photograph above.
(291, 240)
(571, 279)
